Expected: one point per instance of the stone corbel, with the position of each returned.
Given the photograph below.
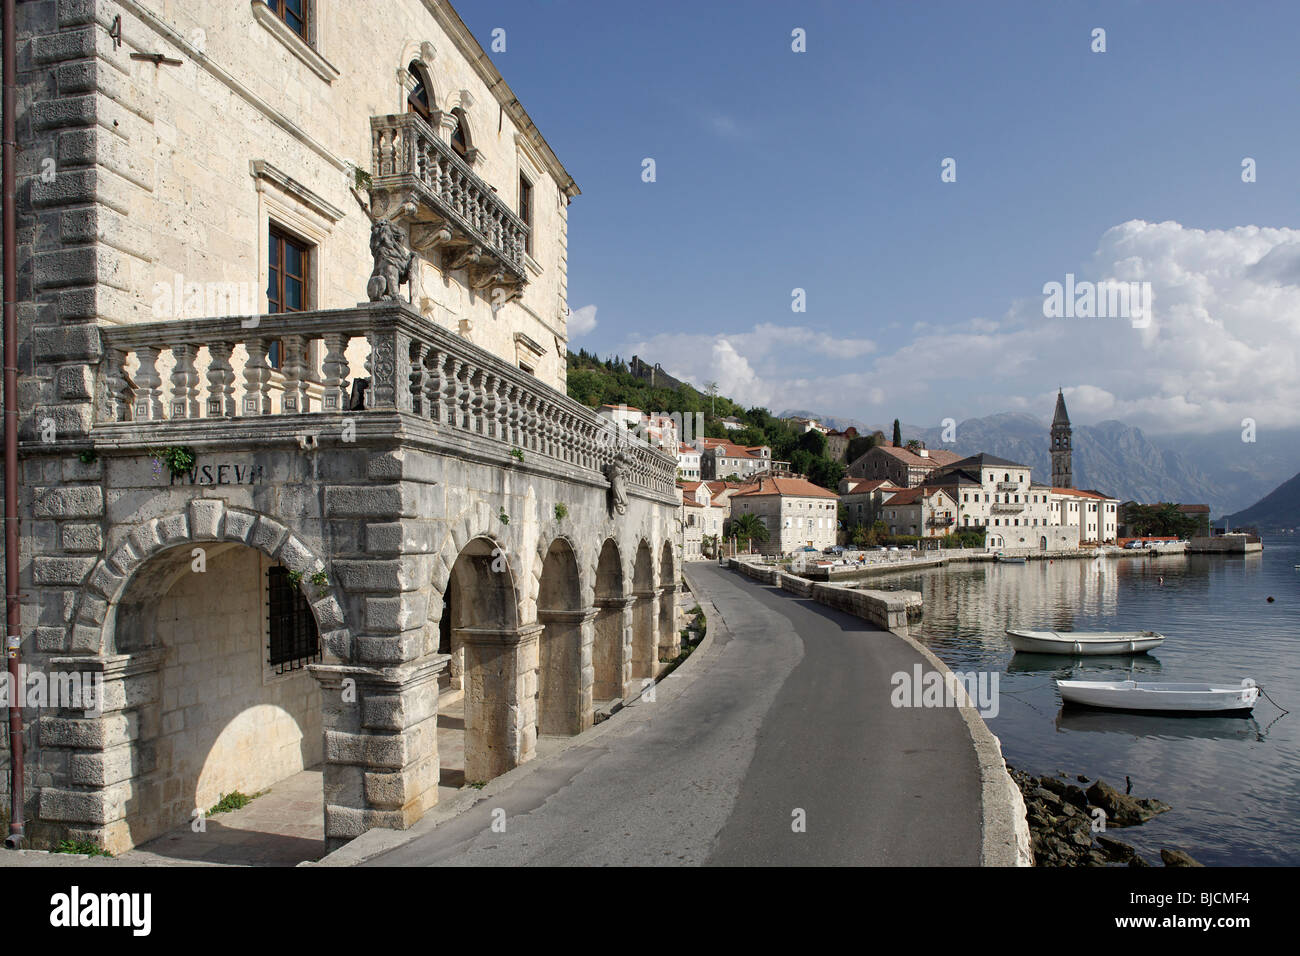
(470, 255)
(426, 237)
(483, 277)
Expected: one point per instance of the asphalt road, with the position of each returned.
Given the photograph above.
(787, 720)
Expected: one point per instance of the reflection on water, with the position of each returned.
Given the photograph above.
(1087, 720)
(1234, 783)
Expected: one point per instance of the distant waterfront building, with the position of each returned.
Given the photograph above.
(732, 424)
(995, 493)
(863, 499)
(929, 512)
(797, 513)
(1094, 514)
(1062, 475)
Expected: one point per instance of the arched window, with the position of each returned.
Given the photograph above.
(419, 100)
(460, 135)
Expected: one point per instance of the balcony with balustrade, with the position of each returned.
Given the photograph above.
(209, 382)
(1007, 507)
(458, 215)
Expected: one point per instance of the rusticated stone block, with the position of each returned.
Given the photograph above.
(267, 534)
(239, 524)
(60, 570)
(205, 518)
(79, 501)
(84, 538)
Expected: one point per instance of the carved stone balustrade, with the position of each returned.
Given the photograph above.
(440, 387)
(458, 214)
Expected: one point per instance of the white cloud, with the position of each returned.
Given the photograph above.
(1223, 345)
(582, 321)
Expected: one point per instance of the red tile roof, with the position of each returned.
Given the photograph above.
(862, 486)
(786, 487)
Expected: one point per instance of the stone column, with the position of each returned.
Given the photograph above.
(645, 637)
(381, 744)
(98, 772)
(670, 635)
(610, 653)
(565, 672)
(500, 698)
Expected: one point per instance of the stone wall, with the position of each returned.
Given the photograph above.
(888, 610)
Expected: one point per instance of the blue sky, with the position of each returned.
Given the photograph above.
(778, 170)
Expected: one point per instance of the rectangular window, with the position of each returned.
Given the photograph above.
(293, 13)
(286, 280)
(294, 641)
(526, 210)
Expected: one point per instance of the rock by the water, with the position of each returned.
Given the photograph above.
(1178, 858)
(1122, 810)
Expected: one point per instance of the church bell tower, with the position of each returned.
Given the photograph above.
(1062, 477)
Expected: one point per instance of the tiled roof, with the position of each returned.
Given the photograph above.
(785, 487)
(994, 461)
(730, 449)
(908, 496)
(936, 457)
(863, 486)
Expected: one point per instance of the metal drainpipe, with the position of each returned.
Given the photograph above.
(13, 613)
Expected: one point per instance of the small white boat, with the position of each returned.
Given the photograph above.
(1158, 696)
(1084, 642)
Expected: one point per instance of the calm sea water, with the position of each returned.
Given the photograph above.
(1234, 783)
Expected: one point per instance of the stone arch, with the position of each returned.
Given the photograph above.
(609, 655)
(477, 603)
(424, 54)
(564, 645)
(645, 646)
(213, 712)
(207, 521)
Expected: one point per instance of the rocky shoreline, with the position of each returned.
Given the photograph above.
(1070, 822)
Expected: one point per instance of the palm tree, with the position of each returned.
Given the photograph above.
(749, 527)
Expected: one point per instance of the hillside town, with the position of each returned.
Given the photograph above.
(732, 494)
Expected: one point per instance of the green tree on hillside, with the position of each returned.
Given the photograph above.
(898, 434)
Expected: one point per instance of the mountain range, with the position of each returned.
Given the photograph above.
(1277, 510)
(1218, 469)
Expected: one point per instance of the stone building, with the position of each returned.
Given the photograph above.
(276, 522)
(902, 466)
(720, 459)
(929, 512)
(797, 513)
(863, 499)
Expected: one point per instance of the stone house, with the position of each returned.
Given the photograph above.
(720, 458)
(929, 512)
(703, 515)
(796, 512)
(276, 523)
(902, 466)
(863, 499)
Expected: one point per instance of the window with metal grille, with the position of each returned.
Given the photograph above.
(294, 641)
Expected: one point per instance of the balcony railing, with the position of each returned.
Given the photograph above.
(414, 366)
(1007, 507)
(1008, 486)
(939, 521)
(482, 231)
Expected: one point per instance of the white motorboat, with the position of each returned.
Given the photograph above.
(1084, 642)
(1168, 698)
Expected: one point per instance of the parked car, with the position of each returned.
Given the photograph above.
(834, 549)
